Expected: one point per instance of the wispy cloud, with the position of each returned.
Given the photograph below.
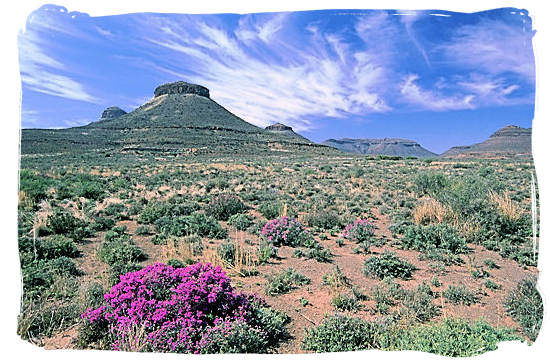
(42, 73)
(493, 46)
(326, 79)
(431, 100)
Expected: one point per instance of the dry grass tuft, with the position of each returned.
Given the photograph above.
(177, 248)
(431, 211)
(505, 205)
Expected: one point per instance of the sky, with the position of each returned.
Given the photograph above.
(437, 77)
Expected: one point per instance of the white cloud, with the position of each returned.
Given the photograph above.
(494, 47)
(431, 100)
(40, 72)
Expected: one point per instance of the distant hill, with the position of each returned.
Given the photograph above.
(386, 146)
(283, 129)
(511, 140)
(112, 112)
(180, 119)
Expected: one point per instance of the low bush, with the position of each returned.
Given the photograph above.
(388, 265)
(336, 279)
(156, 210)
(240, 221)
(340, 333)
(451, 337)
(193, 309)
(460, 294)
(524, 304)
(285, 282)
(195, 224)
(224, 206)
(287, 231)
(63, 222)
(271, 209)
(345, 302)
(324, 219)
(432, 237)
(428, 183)
(360, 231)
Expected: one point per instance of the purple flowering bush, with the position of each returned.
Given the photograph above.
(360, 231)
(287, 231)
(183, 310)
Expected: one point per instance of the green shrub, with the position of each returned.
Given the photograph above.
(155, 210)
(340, 333)
(285, 282)
(324, 219)
(524, 304)
(64, 223)
(460, 294)
(34, 186)
(102, 223)
(451, 337)
(271, 209)
(224, 206)
(388, 265)
(240, 221)
(345, 302)
(427, 183)
(94, 296)
(317, 253)
(121, 250)
(143, 230)
(431, 237)
(195, 224)
(418, 305)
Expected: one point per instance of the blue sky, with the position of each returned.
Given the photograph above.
(440, 78)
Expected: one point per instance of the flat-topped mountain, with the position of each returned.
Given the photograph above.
(180, 105)
(283, 129)
(510, 140)
(386, 146)
(180, 119)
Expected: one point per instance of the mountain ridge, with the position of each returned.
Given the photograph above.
(508, 140)
(380, 146)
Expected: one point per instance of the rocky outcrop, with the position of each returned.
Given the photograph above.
(182, 88)
(282, 129)
(278, 127)
(112, 112)
(510, 140)
(386, 146)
